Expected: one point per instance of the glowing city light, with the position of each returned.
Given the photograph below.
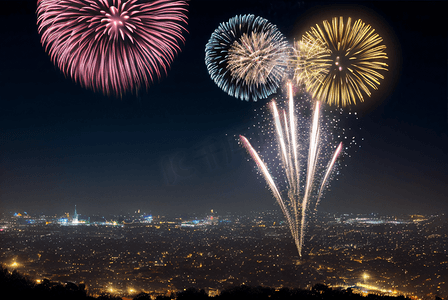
(365, 276)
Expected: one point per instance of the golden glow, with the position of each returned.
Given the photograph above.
(311, 62)
(340, 62)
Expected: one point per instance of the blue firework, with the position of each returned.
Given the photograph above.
(247, 57)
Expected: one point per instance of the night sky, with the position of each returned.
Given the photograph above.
(171, 149)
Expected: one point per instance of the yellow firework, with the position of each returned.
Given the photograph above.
(340, 63)
(311, 61)
(256, 57)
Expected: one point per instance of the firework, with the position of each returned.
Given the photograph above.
(306, 177)
(113, 46)
(247, 57)
(340, 62)
(310, 61)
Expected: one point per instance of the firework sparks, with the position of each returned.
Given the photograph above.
(247, 57)
(340, 62)
(310, 62)
(113, 46)
(255, 56)
(301, 190)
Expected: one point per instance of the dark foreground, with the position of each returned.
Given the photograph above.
(14, 285)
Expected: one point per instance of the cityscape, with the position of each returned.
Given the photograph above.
(137, 252)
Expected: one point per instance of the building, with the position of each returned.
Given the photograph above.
(75, 217)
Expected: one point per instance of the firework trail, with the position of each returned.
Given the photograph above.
(329, 168)
(296, 204)
(247, 57)
(340, 62)
(112, 46)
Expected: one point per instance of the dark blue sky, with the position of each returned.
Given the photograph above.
(167, 151)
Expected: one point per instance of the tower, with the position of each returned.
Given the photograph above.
(75, 216)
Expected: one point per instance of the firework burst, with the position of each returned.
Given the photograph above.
(340, 62)
(255, 58)
(310, 62)
(247, 57)
(303, 161)
(113, 46)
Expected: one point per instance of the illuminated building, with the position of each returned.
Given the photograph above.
(75, 217)
(63, 221)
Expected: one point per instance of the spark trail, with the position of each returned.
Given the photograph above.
(296, 204)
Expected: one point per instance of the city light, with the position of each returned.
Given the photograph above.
(226, 250)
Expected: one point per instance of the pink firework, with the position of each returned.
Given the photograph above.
(113, 46)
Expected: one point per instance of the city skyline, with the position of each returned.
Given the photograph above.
(73, 213)
(370, 254)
